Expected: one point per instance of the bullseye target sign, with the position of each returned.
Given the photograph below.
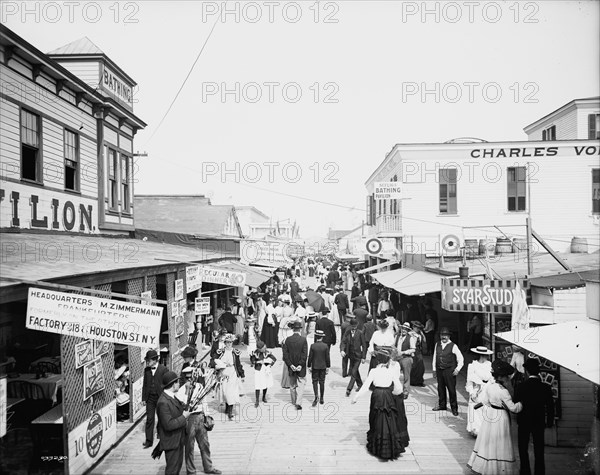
(450, 243)
(374, 246)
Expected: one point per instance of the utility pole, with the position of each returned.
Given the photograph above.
(528, 225)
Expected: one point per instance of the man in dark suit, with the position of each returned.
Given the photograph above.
(228, 320)
(373, 298)
(354, 346)
(369, 328)
(341, 300)
(151, 390)
(537, 414)
(360, 313)
(328, 329)
(319, 364)
(295, 351)
(172, 420)
(343, 328)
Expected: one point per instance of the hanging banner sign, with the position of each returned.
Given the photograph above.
(193, 279)
(387, 190)
(202, 306)
(88, 317)
(179, 289)
(479, 295)
(174, 309)
(92, 438)
(215, 275)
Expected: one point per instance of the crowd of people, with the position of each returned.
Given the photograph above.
(303, 322)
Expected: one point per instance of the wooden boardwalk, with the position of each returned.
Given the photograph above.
(326, 439)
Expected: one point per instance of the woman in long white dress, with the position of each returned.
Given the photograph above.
(261, 313)
(228, 359)
(287, 318)
(238, 310)
(493, 452)
(479, 373)
(334, 316)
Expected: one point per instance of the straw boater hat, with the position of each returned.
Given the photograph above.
(406, 326)
(319, 333)
(417, 324)
(482, 350)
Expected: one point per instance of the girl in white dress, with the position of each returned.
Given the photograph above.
(262, 360)
(479, 373)
(228, 359)
(493, 452)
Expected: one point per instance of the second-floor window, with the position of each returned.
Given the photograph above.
(113, 189)
(517, 189)
(594, 126)
(125, 180)
(31, 157)
(71, 161)
(447, 183)
(549, 133)
(595, 190)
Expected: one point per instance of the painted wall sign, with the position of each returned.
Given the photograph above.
(202, 306)
(116, 86)
(19, 208)
(387, 190)
(473, 295)
(222, 276)
(92, 438)
(179, 289)
(193, 279)
(93, 378)
(93, 317)
(137, 408)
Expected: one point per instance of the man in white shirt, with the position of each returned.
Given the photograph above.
(406, 343)
(447, 363)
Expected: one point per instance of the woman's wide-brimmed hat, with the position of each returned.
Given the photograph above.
(502, 368)
(229, 337)
(417, 324)
(482, 350)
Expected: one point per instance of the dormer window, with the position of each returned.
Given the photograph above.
(549, 133)
(594, 126)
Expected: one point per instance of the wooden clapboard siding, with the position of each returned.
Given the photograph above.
(111, 136)
(577, 401)
(10, 140)
(89, 166)
(569, 305)
(87, 71)
(125, 144)
(49, 105)
(112, 121)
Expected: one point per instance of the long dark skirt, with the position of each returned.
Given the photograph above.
(402, 420)
(418, 370)
(383, 437)
(269, 334)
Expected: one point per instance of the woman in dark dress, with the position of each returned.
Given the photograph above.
(270, 328)
(418, 367)
(399, 400)
(383, 438)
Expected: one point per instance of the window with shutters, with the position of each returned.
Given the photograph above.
(369, 223)
(394, 203)
(595, 190)
(594, 126)
(31, 144)
(447, 182)
(71, 161)
(517, 189)
(549, 133)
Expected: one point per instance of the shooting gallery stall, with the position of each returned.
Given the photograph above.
(89, 327)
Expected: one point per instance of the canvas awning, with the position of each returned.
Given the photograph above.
(410, 281)
(254, 276)
(572, 345)
(376, 266)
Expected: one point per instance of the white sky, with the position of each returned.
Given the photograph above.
(369, 55)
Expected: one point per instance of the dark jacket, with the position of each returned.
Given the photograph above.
(318, 357)
(227, 321)
(328, 328)
(538, 404)
(333, 277)
(160, 371)
(361, 317)
(236, 361)
(171, 423)
(344, 327)
(341, 300)
(258, 358)
(295, 351)
(368, 330)
(373, 294)
(355, 348)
